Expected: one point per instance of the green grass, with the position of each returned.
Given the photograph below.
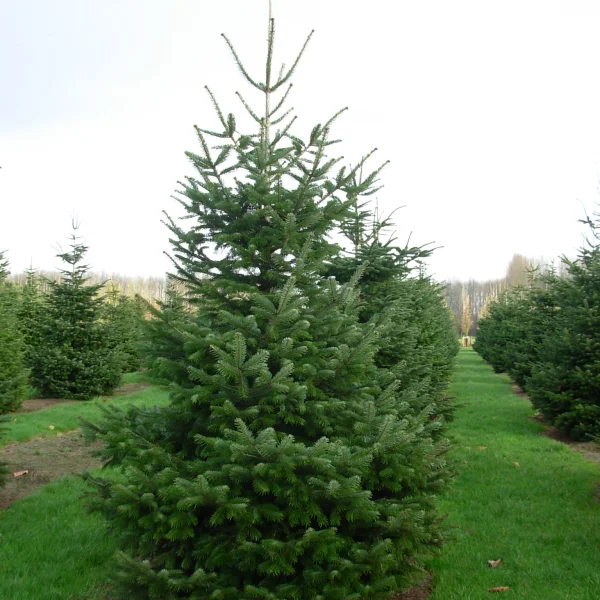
(51, 549)
(136, 377)
(542, 518)
(65, 417)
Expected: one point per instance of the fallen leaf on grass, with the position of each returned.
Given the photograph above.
(20, 473)
(502, 588)
(516, 464)
(482, 447)
(495, 563)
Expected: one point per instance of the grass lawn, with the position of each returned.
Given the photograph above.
(542, 517)
(65, 417)
(51, 549)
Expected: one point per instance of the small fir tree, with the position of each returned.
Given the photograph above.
(31, 314)
(4, 271)
(13, 372)
(162, 344)
(74, 358)
(287, 465)
(124, 317)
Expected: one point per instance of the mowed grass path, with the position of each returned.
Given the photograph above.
(542, 517)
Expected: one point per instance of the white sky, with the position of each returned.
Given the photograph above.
(489, 112)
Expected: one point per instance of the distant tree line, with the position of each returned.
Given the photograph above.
(469, 300)
(150, 288)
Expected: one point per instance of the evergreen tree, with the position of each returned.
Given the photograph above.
(512, 332)
(3, 275)
(288, 464)
(564, 383)
(124, 317)
(13, 373)
(4, 272)
(162, 346)
(31, 314)
(74, 357)
(419, 343)
(545, 336)
(3, 467)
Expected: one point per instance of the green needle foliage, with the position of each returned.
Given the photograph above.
(512, 333)
(74, 357)
(419, 343)
(124, 318)
(565, 379)
(3, 468)
(31, 314)
(13, 372)
(162, 344)
(289, 464)
(547, 338)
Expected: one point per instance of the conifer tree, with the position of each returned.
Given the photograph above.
(287, 465)
(31, 314)
(74, 357)
(3, 467)
(564, 383)
(420, 343)
(162, 350)
(4, 272)
(13, 373)
(124, 317)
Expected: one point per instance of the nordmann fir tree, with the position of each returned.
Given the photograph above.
(124, 320)
(286, 465)
(419, 344)
(13, 373)
(162, 344)
(564, 383)
(74, 357)
(31, 314)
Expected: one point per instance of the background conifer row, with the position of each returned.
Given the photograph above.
(546, 336)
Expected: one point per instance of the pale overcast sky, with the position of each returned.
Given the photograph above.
(488, 111)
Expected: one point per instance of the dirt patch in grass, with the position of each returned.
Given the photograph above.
(519, 392)
(127, 389)
(45, 460)
(418, 592)
(589, 450)
(41, 403)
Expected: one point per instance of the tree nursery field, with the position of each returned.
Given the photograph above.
(292, 419)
